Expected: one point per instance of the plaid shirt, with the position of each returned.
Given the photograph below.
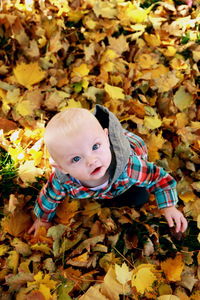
(138, 172)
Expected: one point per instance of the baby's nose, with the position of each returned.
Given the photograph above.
(91, 160)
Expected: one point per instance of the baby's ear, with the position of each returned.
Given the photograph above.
(106, 131)
(54, 164)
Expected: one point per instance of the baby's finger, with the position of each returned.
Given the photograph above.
(178, 224)
(170, 221)
(184, 224)
(31, 229)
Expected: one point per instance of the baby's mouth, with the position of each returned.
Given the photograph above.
(96, 171)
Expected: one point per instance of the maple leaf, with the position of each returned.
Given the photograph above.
(16, 223)
(119, 45)
(106, 10)
(143, 278)
(81, 70)
(114, 92)
(123, 274)
(111, 288)
(28, 74)
(67, 210)
(173, 268)
(44, 280)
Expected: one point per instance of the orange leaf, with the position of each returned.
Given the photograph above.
(17, 223)
(173, 268)
(66, 211)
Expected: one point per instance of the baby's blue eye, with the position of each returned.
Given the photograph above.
(95, 146)
(76, 159)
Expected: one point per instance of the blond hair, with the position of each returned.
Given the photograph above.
(64, 124)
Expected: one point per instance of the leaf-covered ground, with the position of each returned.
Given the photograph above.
(141, 60)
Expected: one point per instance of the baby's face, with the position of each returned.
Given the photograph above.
(86, 154)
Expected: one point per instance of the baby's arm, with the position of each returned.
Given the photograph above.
(52, 194)
(175, 218)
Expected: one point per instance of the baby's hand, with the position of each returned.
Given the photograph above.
(188, 2)
(175, 218)
(37, 224)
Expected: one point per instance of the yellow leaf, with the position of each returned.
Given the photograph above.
(170, 51)
(81, 70)
(182, 99)
(13, 260)
(45, 290)
(147, 61)
(155, 143)
(28, 74)
(40, 278)
(122, 273)
(41, 247)
(192, 208)
(188, 196)
(152, 122)
(114, 92)
(25, 108)
(28, 172)
(173, 268)
(152, 39)
(108, 55)
(135, 13)
(62, 6)
(73, 103)
(143, 278)
(36, 156)
(16, 153)
(3, 249)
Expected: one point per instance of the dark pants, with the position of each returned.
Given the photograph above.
(133, 197)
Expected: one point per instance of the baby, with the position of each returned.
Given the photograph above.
(94, 157)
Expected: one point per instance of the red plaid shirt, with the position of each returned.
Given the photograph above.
(138, 171)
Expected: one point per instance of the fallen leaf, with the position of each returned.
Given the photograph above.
(173, 268)
(114, 92)
(28, 74)
(123, 274)
(143, 278)
(182, 99)
(168, 297)
(94, 293)
(17, 223)
(28, 172)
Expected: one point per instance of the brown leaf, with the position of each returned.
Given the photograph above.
(35, 295)
(17, 223)
(7, 125)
